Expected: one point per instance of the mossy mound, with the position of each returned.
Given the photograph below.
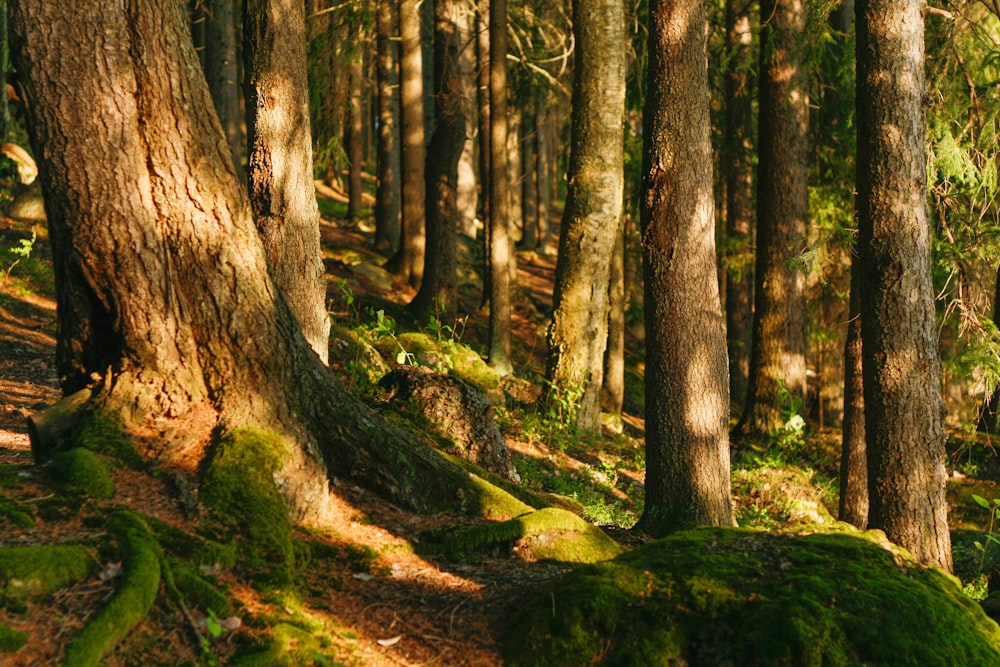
(733, 597)
(445, 355)
(135, 596)
(82, 472)
(102, 431)
(244, 503)
(40, 570)
(360, 365)
(545, 534)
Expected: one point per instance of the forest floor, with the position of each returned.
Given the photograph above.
(379, 603)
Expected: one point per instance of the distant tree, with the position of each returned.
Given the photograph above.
(387, 193)
(737, 168)
(778, 350)
(687, 379)
(578, 333)
(280, 167)
(902, 372)
(222, 70)
(613, 390)
(408, 262)
(853, 457)
(500, 250)
(355, 124)
(438, 289)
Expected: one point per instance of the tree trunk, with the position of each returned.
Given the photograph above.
(387, 195)
(738, 172)
(160, 262)
(988, 415)
(613, 391)
(468, 180)
(280, 168)
(902, 371)
(578, 334)
(408, 262)
(777, 377)
(438, 289)
(222, 70)
(687, 379)
(529, 183)
(499, 249)
(543, 123)
(853, 458)
(355, 127)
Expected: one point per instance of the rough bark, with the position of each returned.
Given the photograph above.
(387, 194)
(613, 391)
(778, 351)
(578, 334)
(499, 248)
(902, 371)
(280, 168)
(157, 251)
(222, 70)
(687, 379)
(408, 262)
(853, 458)
(737, 169)
(438, 290)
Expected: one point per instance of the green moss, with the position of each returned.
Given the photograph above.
(10, 475)
(82, 472)
(447, 356)
(245, 504)
(101, 431)
(197, 591)
(289, 646)
(11, 639)
(727, 596)
(40, 570)
(15, 512)
(545, 534)
(134, 598)
(194, 549)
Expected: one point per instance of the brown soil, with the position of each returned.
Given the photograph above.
(400, 610)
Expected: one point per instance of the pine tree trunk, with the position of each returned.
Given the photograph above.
(280, 168)
(387, 195)
(687, 379)
(355, 128)
(613, 391)
(578, 333)
(902, 370)
(778, 351)
(853, 458)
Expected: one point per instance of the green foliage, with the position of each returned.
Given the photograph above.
(21, 251)
(11, 639)
(82, 472)
(245, 505)
(725, 596)
(991, 538)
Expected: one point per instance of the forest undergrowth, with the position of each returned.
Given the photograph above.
(367, 589)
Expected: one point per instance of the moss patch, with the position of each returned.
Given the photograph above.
(727, 596)
(135, 596)
(82, 472)
(101, 431)
(40, 570)
(244, 503)
(11, 639)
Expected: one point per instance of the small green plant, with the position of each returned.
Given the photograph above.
(792, 436)
(991, 538)
(347, 296)
(21, 251)
(385, 327)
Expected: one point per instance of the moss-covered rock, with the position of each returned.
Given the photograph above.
(39, 570)
(733, 597)
(135, 596)
(545, 534)
(447, 356)
(244, 502)
(82, 472)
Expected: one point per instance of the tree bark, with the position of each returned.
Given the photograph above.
(778, 351)
(355, 126)
(280, 168)
(438, 289)
(687, 379)
(902, 371)
(738, 173)
(408, 262)
(387, 195)
(499, 249)
(853, 458)
(222, 70)
(157, 252)
(613, 391)
(578, 334)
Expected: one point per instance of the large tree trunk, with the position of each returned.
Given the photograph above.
(687, 379)
(902, 370)
(438, 289)
(499, 249)
(408, 262)
(387, 194)
(737, 166)
(222, 70)
(578, 333)
(280, 168)
(778, 351)
(166, 305)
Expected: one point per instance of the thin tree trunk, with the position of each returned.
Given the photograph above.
(687, 379)
(613, 391)
(529, 185)
(355, 128)
(544, 124)
(222, 70)
(468, 200)
(485, 134)
(500, 250)
(387, 196)
(902, 371)
(853, 459)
